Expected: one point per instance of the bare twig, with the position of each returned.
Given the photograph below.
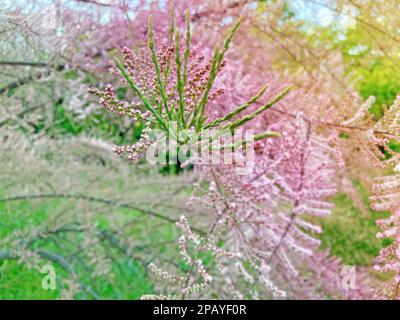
(94, 199)
(24, 63)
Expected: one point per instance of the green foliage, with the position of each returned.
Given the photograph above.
(19, 282)
(369, 64)
(164, 115)
(350, 233)
(376, 72)
(382, 80)
(99, 124)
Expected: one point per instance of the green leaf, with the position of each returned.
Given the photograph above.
(237, 110)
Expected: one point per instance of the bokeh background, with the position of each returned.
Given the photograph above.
(68, 201)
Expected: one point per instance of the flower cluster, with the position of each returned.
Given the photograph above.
(386, 197)
(265, 210)
(174, 85)
(268, 214)
(198, 278)
(140, 68)
(109, 100)
(389, 258)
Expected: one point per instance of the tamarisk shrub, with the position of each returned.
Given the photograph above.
(266, 215)
(44, 52)
(264, 222)
(173, 86)
(266, 212)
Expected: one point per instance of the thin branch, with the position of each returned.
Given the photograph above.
(94, 199)
(296, 202)
(357, 19)
(234, 5)
(24, 63)
(97, 3)
(335, 125)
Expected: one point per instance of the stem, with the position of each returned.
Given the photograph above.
(158, 69)
(199, 110)
(94, 199)
(237, 110)
(252, 115)
(187, 47)
(179, 84)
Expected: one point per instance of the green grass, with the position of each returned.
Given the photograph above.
(350, 233)
(17, 281)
